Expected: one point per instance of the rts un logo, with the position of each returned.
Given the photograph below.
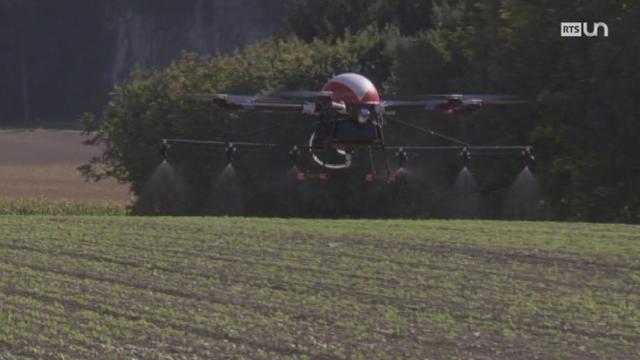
(579, 29)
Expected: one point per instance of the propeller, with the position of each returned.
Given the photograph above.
(238, 99)
(307, 94)
(302, 94)
(493, 99)
(460, 97)
(204, 97)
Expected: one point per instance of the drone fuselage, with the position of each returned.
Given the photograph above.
(346, 130)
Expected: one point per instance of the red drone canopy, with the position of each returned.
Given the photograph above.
(352, 89)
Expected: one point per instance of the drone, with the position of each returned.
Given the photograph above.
(350, 114)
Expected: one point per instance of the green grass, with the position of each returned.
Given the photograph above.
(58, 208)
(124, 287)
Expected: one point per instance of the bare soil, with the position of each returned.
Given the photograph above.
(42, 164)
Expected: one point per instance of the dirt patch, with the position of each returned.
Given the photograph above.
(41, 164)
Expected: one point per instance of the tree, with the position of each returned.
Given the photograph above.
(153, 104)
(331, 19)
(583, 120)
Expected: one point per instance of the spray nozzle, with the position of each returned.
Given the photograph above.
(230, 151)
(294, 155)
(164, 149)
(528, 158)
(402, 156)
(465, 156)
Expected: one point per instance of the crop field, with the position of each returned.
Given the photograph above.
(129, 287)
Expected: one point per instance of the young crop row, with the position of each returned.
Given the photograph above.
(153, 287)
(58, 208)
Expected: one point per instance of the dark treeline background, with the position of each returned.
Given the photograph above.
(61, 58)
(585, 127)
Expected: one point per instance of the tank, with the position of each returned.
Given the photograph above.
(353, 89)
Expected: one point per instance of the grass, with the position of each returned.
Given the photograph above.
(59, 208)
(124, 287)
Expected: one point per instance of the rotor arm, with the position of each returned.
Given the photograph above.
(271, 104)
(251, 103)
(446, 107)
(447, 104)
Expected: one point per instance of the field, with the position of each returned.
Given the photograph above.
(128, 287)
(39, 166)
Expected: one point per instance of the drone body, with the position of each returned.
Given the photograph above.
(353, 89)
(350, 114)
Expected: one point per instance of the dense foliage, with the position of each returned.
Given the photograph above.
(584, 127)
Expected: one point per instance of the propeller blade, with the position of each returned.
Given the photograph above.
(203, 97)
(229, 98)
(306, 94)
(302, 94)
(423, 97)
(506, 102)
(487, 98)
(461, 97)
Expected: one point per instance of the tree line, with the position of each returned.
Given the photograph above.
(61, 58)
(583, 123)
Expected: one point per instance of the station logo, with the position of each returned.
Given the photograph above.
(580, 29)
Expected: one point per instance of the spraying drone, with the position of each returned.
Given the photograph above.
(350, 115)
